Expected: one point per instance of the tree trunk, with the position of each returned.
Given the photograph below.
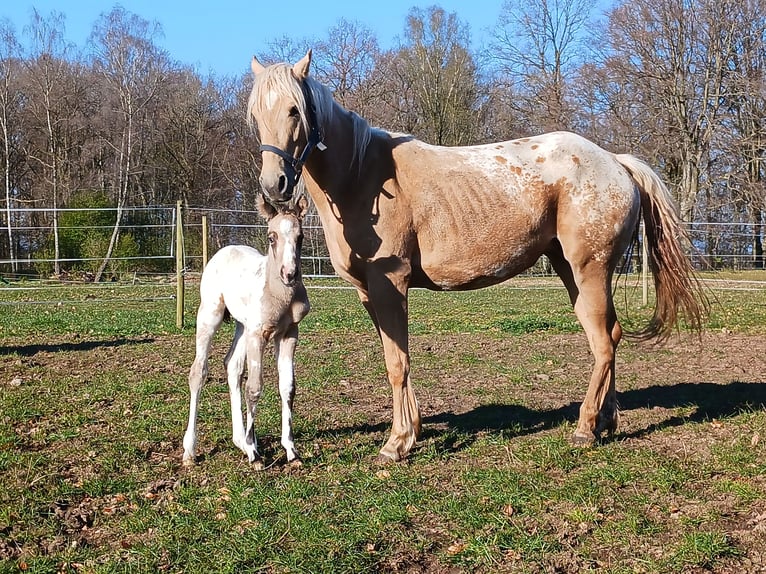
(7, 151)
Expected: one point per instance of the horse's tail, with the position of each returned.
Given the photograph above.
(677, 288)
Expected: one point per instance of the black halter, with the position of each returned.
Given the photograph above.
(314, 140)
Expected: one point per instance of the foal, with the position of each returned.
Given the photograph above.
(267, 298)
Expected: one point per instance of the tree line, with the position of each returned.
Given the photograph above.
(679, 83)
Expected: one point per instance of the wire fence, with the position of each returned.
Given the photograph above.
(147, 248)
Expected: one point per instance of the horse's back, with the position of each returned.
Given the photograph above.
(485, 213)
(235, 275)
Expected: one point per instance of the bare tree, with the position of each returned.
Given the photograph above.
(47, 69)
(673, 54)
(10, 95)
(345, 61)
(536, 47)
(436, 62)
(133, 69)
(745, 141)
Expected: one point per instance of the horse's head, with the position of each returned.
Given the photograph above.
(285, 236)
(282, 106)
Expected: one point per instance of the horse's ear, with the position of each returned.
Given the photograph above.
(256, 66)
(266, 210)
(302, 206)
(301, 68)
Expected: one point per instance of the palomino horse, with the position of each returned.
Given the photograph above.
(400, 213)
(266, 296)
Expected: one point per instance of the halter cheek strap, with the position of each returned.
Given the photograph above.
(314, 140)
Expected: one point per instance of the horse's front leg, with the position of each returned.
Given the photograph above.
(284, 347)
(386, 300)
(253, 388)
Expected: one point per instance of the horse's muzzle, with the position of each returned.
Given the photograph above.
(278, 188)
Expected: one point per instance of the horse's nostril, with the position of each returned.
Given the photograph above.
(282, 183)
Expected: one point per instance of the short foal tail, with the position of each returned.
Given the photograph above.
(676, 285)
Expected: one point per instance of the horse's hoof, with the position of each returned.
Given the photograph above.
(188, 462)
(384, 459)
(608, 425)
(583, 440)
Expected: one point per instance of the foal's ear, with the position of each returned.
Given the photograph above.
(301, 207)
(301, 68)
(266, 210)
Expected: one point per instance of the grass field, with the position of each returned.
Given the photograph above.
(94, 400)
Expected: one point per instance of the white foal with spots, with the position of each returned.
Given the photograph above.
(266, 296)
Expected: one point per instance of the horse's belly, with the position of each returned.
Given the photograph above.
(460, 270)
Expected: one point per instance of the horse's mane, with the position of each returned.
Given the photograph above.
(279, 79)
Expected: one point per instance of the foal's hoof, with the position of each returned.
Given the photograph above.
(582, 439)
(294, 463)
(188, 462)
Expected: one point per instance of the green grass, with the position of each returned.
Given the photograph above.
(93, 404)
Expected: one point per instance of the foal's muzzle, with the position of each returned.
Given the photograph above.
(289, 276)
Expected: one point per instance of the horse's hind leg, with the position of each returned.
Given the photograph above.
(589, 289)
(253, 389)
(209, 318)
(284, 347)
(235, 367)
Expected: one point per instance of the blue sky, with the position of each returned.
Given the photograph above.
(221, 37)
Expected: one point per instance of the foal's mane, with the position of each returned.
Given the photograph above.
(279, 79)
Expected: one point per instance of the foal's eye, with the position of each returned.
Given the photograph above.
(272, 239)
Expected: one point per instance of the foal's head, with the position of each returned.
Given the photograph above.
(285, 236)
(287, 107)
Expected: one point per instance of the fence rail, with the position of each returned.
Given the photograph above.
(147, 241)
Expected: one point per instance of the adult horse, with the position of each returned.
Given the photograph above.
(400, 213)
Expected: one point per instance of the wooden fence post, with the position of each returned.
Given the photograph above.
(179, 266)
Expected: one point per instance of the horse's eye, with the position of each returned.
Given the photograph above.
(293, 112)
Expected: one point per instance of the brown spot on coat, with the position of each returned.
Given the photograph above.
(576, 160)
(540, 159)
(535, 146)
(500, 159)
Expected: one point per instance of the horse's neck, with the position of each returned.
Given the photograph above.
(336, 168)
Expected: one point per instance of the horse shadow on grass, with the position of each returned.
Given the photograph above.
(454, 432)
(31, 350)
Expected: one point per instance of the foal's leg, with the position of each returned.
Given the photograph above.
(209, 317)
(387, 305)
(235, 367)
(284, 348)
(589, 289)
(255, 343)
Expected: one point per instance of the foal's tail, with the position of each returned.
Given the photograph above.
(676, 286)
